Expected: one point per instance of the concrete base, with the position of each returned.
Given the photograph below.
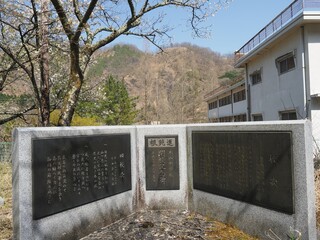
(74, 223)
(80, 221)
(164, 199)
(257, 220)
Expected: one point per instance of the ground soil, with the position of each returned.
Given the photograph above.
(6, 195)
(168, 224)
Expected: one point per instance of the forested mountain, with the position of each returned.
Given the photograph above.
(170, 85)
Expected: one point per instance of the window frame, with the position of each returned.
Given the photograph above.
(258, 115)
(239, 96)
(213, 105)
(225, 100)
(214, 120)
(240, 118)
(253, 79)
(281, 113)
(226, 119)
(284, 59)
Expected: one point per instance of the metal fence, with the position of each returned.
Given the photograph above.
(277, 23)
(5, 151)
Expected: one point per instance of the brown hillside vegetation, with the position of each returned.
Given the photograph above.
(170, 85)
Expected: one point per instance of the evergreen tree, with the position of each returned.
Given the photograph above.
(113, 105)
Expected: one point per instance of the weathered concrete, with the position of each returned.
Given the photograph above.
(257, 220)
(80, 221)
(73, 223)
(164, 199)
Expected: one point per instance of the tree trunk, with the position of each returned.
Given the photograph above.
(44, 109)
(74, 87)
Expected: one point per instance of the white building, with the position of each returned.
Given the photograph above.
(282, 68)
(227, 104)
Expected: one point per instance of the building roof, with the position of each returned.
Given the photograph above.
(295, 14)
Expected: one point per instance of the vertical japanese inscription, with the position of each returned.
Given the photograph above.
(162, 163)
(56, 178)
(254, 167)
(72, 171)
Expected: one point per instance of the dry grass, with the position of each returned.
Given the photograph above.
(222, 231)
(317, 186)
(168, 224)
(6, 194)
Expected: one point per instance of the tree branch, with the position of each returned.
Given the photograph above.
(31, 73)
(17, 115)
(133, 12)
(11, 55)
(145, 6)
(63, 18)
(77, 10)
(8, 24)
(36, 22)
(153, 42)
(131, 23)
(134, 21)
(5, 75)
(85, 19)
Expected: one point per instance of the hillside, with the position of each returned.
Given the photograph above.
(170, 85)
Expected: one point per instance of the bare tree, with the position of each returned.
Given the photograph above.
(91, 25)
(29, 37)
(20, 43)
(44, 64)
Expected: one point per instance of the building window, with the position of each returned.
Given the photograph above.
(225, 119)
(213, 105)
(256, 77)
(257, 117)
(288, 115)
(286, 63)
(214, 120)
(239, 96)
(225, 101)
(240, 118)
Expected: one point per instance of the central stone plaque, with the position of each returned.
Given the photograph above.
(254, 167)
(72, 171)
(162, 163)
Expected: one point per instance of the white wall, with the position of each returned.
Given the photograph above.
(225, 111)
(278, 92)
(240, 108)
(213, 113)
(315, 117)
(312, 33)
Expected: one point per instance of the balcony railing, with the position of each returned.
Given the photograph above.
(276, 24)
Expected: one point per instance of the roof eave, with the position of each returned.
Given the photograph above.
(298, 20)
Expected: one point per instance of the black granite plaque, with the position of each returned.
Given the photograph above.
(71, 171)
(254, 167)
(162, 163)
